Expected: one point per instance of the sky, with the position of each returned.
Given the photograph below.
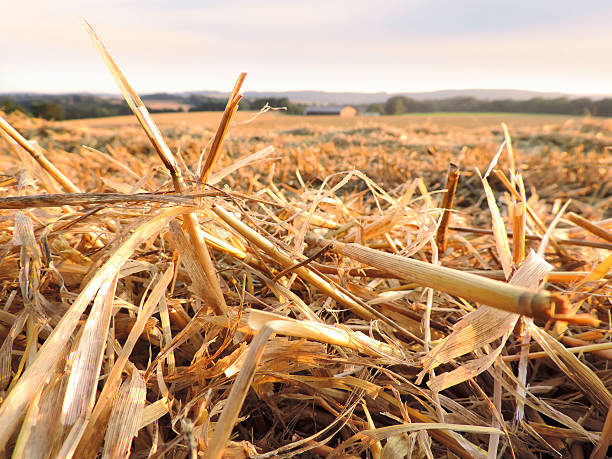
(329, 45)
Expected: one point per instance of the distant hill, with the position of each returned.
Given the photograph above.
(360, 98)
(341, 98)
(88, 105)
(485, 94)
(309, 97)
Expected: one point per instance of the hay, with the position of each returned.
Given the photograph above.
(277, 307)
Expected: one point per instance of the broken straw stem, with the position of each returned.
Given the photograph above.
(238, 392)
(85, 199)
(53, 171)
(590, 226)
(534, 237)
(286, 261)
(447, 204)
(224, 125)
(538, 304)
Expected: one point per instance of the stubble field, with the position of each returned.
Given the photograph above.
(282, 349)
(277, 120)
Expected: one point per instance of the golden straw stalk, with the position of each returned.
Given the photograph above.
(590, 226)
(47, 165)
(469, 286)
(447, 204)
(152, 131)
(286, 261)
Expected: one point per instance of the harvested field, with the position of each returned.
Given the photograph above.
(286, 298)
(280, 121)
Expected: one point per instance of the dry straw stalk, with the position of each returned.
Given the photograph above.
(539, 304)
(154, 135)
(53, 171)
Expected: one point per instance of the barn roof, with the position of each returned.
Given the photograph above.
(330, 109)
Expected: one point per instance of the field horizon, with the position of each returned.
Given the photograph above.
(282, 120)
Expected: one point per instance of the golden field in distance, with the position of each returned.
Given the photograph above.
(388, 149)
(365, 184)
(279, 120)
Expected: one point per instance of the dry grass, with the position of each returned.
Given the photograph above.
(334, 331)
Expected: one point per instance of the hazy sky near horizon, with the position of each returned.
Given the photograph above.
(333, 45)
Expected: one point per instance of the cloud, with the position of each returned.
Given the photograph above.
(484, 18)
(390, 45)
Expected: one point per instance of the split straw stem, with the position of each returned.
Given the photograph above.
(238, 392)
(224, 125)
(191, 223)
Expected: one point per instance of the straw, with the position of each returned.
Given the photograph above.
(280, 300)
(447, 204)
(540, 304)
(39, 157)
(154, 135)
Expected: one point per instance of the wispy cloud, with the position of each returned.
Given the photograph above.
(388, 45)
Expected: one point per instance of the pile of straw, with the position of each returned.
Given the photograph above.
(168, 314)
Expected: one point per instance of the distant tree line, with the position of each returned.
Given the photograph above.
(207, 104)
(61, 107)
(64, 106)
(275, 102)
(563, 106)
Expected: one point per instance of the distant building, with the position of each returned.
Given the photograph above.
(344, 111)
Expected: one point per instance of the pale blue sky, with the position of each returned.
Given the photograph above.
(343, 45)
